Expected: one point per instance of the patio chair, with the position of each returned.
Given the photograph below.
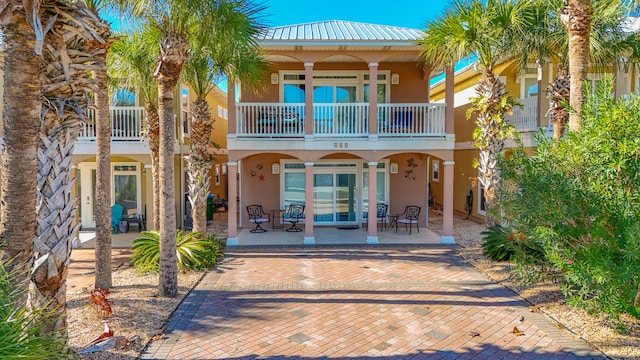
(258, 217)
(409, 217)
(116, 217)
(381, 215)
(293, 215)
(133, 217)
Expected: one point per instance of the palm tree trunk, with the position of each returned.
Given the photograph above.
(490, 136)
(558, 94)
(153, 132)
(70, 58)
(168, 261)
(199, 164)
(103, 182)
(577, 18)
(22, 100)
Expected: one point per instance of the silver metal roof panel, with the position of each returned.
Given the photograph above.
(337, 30)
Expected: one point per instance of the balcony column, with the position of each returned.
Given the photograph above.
(372, 229)
(308, 100)
(373, 101)
(232, 213)
(231, 108)
(447, 203)
(308, 199)
(449, 119)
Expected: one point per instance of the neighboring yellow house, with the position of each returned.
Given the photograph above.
(131, 163)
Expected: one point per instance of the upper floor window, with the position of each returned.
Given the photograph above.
(184, 110)
(334, 86)
(529, 82)
(123, 97)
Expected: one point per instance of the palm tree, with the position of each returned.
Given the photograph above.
(131, 63)
(178, 21)
(103, 155)
(236, 54)
(70, 55)
(576, 16)
(546, 41)
(22, 100)
(480, 28)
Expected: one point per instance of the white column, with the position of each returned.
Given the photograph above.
(447, 204)
(308, 208)
(232, 220)
(372, 230)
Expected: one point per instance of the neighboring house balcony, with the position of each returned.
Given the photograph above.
(525, 118)
(412, 122)
(126, 132)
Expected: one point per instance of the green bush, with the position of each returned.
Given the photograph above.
(192, 251)
(578, 199)
(497, 243)
(21, 335)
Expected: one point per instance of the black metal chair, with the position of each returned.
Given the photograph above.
(293, 215)
(409, 217)
(258, 217)
(381, 215)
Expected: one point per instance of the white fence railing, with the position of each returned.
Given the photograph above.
(525, 118)
(411, 120)
(126, 123)
(339, 119)
(270, 119)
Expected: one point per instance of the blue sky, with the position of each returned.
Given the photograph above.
(407, 13)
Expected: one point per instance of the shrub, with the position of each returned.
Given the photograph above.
(497, 243)
(21, 333)
(192, 251)
(578, 199)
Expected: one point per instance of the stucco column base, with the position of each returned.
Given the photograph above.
(373, 137)
(447, 240)
(309, 240)
(232, 242)
(372, 240)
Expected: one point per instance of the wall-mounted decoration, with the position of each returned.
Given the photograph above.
(275, 168)
(274, 78)
(393, 168)
(435, 175)
(261, 177)
(411, 163)
(252, 173)
(408, 174)
(395, 79)
(259, 166)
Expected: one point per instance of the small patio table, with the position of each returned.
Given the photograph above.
(277, 214)
(393, 222)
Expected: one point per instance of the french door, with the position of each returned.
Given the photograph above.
(335, 197)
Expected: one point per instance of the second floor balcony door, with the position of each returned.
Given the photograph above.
(334, 110)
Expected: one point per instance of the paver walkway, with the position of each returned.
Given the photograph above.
(357, 303)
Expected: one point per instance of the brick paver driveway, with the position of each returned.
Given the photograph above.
(357, 303)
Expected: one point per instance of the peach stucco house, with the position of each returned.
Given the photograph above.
(315, 135)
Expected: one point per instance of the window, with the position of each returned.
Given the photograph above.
(184, 107)
(334, 86)
(217, 178)
(123, 97)
(436, 171)
(222, 112)
(482, 206)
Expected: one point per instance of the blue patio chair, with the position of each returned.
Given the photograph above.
(116, 216)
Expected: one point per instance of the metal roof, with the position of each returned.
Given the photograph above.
(338, 30)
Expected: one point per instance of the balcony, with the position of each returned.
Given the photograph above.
(524, 118)
(126, 124)
(330, 120)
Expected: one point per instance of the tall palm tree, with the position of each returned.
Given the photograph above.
(178, 21)
(236, 54)
(70, 55)
(22, 98)
(480, 28)
(103, 153)
(576, 16)
(546, 41)
(131, 63)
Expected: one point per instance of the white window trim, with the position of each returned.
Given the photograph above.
(137, 172)
(184, 113)
(479, 200)
(358, 81)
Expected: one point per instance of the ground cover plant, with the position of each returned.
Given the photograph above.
(192, 250)
(578, 200)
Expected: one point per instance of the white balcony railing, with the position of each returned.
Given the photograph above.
(126, 124)
(411, 120)
(270, 119)
(525, 118)
(339, 119)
